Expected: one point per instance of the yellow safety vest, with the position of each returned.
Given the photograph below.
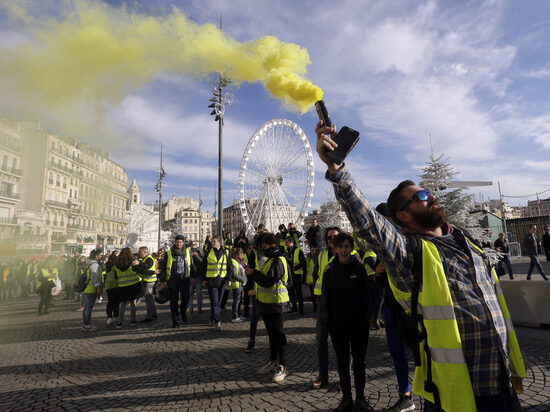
(369, 253)
(310, 267)
(127, 277)
(46, 275)
(234, 283)
(296, 262)
(449, 369)
(215, 267)
(323, 262)
(277, 293)
(152, 278)
(170, 260)
(111, 281)
(90, 288)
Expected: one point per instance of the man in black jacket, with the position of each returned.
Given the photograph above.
(345, 309)
(313, 235)
(176, 271)
(531, 243)
(501, 245)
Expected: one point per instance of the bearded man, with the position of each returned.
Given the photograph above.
(469, 354)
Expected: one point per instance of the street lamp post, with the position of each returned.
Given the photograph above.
(158, 188)
(218, 104)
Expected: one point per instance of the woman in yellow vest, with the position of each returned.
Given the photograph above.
(129, 284)
(273, 301)
(236, 285)
(111, 287)
(298, 261)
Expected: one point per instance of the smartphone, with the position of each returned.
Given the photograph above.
(323, 113)
(346, 139)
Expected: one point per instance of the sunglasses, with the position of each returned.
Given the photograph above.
(421, 195)
(330, 237)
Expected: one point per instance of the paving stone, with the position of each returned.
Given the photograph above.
(50, 363)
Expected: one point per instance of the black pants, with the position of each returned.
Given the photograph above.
(295, 293)
(45, 297)
(112, 303)
(246, 299)
(358, 339)
(274, 326)
(179, 288)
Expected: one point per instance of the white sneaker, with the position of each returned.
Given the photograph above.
(280, 374)
(218, 326)
(237, 320)
(110, 321)
(90, 328)
(268, 368)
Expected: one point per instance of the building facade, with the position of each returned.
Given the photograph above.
(68, 195)
(184, 215)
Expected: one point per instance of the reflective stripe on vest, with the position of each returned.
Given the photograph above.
(214, 266)
(234, 284)
(127, 277)
(277, 293)
(153, 277)
(170, 260)
(368, 254)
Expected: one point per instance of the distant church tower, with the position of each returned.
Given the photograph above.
(134, 195)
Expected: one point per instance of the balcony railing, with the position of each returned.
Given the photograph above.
(61, 167)
(10, 143)
(31, 238)
(55, 203)
(8, 220)
(13, 171)
(10, 195)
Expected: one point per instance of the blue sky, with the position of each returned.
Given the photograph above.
(475, 76)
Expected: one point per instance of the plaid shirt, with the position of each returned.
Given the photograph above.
(478, 315)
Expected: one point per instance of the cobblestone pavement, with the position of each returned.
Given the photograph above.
(51, 363)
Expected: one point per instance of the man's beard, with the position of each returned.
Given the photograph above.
(431, 218)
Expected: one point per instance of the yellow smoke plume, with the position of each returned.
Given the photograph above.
(97, 53)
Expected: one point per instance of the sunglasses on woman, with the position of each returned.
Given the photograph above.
(421, 195)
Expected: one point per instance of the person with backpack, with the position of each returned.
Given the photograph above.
(147, 269)
(111, 287)
(236, 285)
(345, 309)
(129, 285)
(273, 300)
(92, 290)
(467, 353)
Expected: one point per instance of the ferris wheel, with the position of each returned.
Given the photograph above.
(276, 176)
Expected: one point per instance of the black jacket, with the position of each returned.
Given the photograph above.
(273, 276)
(313, 235)
(345, 296)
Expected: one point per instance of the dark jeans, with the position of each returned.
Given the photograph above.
(295, 293)
(216, 294)
(398, 352)
(376, 295)
(45, 297)
(274, 326)
(358, 339)
(112, 303)
(179, 288)
(506, 261)
(322, 345)
(535, 263)
(89, 302)
(313, 298)
(254, 317)
(246, 299)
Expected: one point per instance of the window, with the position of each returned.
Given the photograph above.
(5, 162)
(14, 163)
(57, 182)
(50, 178)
